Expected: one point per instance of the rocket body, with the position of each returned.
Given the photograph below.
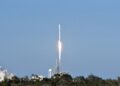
(59, 32)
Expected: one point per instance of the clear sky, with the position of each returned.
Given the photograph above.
(90, 36)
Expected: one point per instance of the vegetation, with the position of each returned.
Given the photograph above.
(60, 80)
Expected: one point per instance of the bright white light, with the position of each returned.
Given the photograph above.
(59, 49)
(50, 70)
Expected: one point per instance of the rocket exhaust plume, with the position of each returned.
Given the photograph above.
(59, 44)
(59, 51)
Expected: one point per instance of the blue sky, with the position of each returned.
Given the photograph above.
(90, 35)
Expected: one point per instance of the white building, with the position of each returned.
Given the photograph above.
(37, 77)
(5, 74)
(2, 76)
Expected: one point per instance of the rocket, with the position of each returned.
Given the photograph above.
(59, 43)
(59, 51)
(59, 32)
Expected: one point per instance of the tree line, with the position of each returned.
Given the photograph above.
(61, 80)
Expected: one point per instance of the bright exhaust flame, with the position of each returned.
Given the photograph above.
(59, 49)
